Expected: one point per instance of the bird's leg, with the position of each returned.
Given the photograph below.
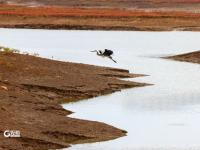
(112, 59)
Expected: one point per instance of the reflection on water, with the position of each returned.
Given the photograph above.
(165, 116)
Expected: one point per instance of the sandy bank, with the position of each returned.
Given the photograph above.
(193, 57)
(31, 90)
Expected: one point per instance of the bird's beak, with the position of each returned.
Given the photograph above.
(92, 51)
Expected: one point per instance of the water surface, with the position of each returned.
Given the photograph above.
(163, 116)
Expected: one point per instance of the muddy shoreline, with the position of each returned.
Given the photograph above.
(98, 18)
(193, 57)
(31, 91)
(96, 28)
(102, 23)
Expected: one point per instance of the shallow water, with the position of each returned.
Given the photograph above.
(163, 116)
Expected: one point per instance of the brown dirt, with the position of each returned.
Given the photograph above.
(193, 57)
(31, 90)
(102, 18)
(191, 5)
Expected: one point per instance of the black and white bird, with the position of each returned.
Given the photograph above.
(105, 53)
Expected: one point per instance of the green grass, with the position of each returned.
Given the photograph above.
(12, 50)
(9, 50)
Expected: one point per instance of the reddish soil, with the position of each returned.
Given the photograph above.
(89, 12)
(125, 4)
(70, 16)
(31, 90)
(193, 57)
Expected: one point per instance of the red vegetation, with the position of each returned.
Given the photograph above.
(84, 12)
(185, 1)
(176, 1)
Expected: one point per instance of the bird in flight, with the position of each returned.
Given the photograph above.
(105, 53)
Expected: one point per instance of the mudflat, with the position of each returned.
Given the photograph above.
(189, 5)
(145, 15)
(31, 91)
(193, 57)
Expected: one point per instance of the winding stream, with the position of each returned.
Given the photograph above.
(163, 116)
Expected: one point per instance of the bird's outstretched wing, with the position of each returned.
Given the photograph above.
(107, 52)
